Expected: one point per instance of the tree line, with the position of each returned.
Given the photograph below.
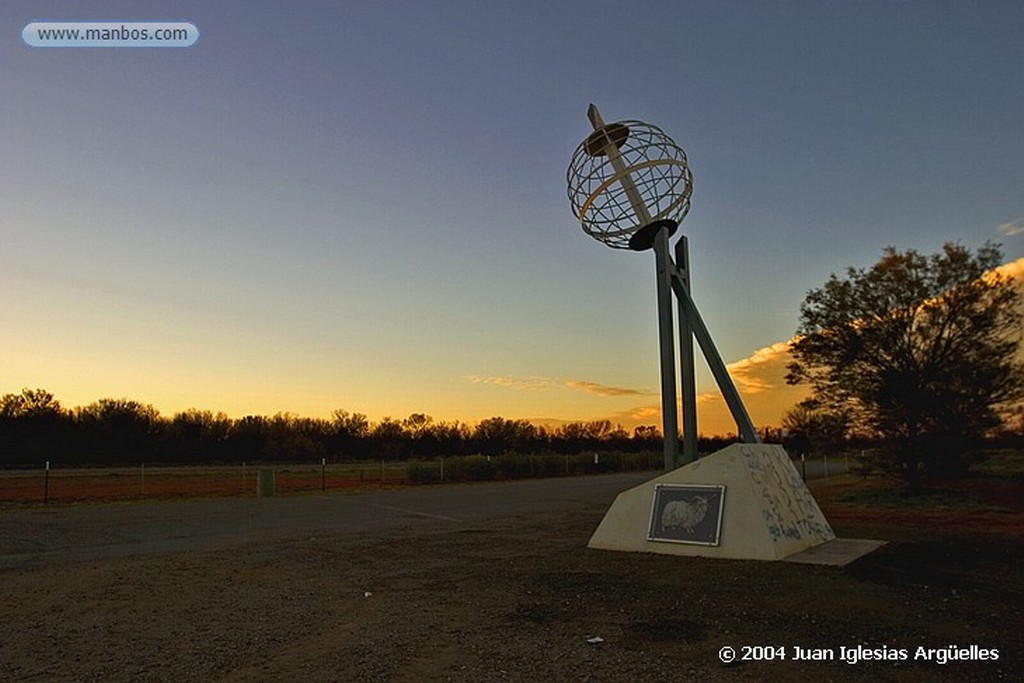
(35, 427)
(917, 357)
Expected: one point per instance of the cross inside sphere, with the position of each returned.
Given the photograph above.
(624, 177)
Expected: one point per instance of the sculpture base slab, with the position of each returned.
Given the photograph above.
(837, 553)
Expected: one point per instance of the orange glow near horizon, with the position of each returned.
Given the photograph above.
(82, 375)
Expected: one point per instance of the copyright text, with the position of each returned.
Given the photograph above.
(857, 654)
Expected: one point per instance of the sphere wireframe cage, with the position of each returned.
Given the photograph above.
(655, 165)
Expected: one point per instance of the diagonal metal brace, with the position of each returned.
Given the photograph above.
(732, 397)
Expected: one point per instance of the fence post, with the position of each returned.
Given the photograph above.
(46, 485)
(265, 484)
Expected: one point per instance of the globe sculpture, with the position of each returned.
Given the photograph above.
(629, 185)
(624, 177)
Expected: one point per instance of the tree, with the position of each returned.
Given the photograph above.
(451, 437)
(390, 437)
(920, 351)
(496, 435)
(119, 429)
(33, 427)
(417, 429)
(813, 428)
(294, 438)
(249, 439)
(646, 433)
(196, 435)
(574, 437)
(349, 435)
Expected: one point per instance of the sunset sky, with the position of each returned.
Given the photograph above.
(362, 205)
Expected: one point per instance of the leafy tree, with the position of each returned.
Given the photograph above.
(352, 424)
(451, 437)
(30, 403)
(1011, 432)
(390, 437)
(197, 435)
(33, 426)
(574, 437)
(646, 433)
(349, 434)
(496, 435)
(813, 428)
(119, 429)
(919, 350)
(249, 439)
(619, 435)
(294, 438)
(420, 436)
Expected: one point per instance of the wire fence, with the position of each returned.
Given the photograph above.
(55, 484)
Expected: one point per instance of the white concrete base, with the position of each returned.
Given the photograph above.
(768, 512)
(837, 553)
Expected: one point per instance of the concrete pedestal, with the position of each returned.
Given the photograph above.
(767, 511)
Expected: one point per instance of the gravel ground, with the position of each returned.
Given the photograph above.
(512, 599)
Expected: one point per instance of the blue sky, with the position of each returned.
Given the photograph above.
(362, 205)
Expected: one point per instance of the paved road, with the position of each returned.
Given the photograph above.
(47, 536)
(54, 536)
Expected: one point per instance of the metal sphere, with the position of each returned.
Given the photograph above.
(647, 160)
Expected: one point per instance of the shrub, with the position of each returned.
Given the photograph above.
(479, 468)
(420, 472)
(514, 466)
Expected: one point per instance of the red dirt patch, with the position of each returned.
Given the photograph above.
(105, 485)
(987, 493)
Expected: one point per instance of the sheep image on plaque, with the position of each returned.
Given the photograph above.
(686, 514)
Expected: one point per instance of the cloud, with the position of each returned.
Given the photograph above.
(1013, 228)
(641, 415)
(529, 383)
(1014, 269)
(761, 380)
(603, 390)
(763, 370)
(542, 383)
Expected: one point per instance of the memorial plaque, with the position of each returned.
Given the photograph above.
(689, 513)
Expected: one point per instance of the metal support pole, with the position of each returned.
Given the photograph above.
(666, 338)
(686, 368)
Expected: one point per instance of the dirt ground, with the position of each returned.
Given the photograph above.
(517, 600)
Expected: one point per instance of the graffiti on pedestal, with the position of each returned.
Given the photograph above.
(788, 508)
